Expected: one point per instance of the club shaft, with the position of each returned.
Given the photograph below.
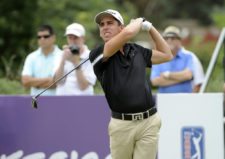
(60, 78)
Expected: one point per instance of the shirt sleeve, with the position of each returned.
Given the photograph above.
(190, 63)
(96, 58)
(57, 61)
(96, 54)
(155, 71)
(198, 71)
(89, 73)
(27, 67)
(147, 54)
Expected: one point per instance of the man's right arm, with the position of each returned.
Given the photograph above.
(170, 78)
(117, 42)
(60, 70)
(29, 81)
(162, 82)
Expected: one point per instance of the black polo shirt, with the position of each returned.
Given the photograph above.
(123, 78)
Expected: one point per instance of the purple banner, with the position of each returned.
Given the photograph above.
(73, 127)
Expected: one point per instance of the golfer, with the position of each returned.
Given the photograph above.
(121, 69)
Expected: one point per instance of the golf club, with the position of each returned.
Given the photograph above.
(34, 98)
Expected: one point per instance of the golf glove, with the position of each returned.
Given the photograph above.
(146, 25)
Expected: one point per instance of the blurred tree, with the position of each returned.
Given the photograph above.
(16, 31)
(159, 10)
(219, 17)
(20, 19)
(81, 11)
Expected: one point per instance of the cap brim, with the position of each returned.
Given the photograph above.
(72, 32)
(171, 35)
(100, 15)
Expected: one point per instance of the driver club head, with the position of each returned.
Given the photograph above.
(34, 102)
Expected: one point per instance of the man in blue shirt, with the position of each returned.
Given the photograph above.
(176, 75)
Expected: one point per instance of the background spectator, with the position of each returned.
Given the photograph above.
(82, 80)
(38, 69)
(176, 75)
(198, 76)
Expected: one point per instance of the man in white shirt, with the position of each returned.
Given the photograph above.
(38, 69)
(82, 80)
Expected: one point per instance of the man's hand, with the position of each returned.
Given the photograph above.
(67, 55)
(146, 25)
(140, 20)
(166, 74)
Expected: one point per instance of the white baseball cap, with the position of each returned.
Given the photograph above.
(107, 12)
(172, 31)
(75, 29)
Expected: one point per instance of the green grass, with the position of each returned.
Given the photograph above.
(216, 79)
(11, 87)
(204, 51)
(98, 89)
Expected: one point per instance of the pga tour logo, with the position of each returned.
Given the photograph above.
(193, 143)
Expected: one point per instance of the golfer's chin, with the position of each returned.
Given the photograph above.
(106, 38)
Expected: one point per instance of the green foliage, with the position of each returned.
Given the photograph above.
(204, 51)
(219, 17)
(98, 89)
(16, 31)
(12, 87)
(8, 65)
(157, 11)
(20, 19)
(68, 11)
(216, 79)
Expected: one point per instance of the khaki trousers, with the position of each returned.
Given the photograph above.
(134, 139)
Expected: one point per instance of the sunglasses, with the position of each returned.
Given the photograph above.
(43, 36)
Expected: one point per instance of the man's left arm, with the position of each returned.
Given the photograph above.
(162, 81)
(162, 52)
(82, 81)
(179, 76)
(79, 73)
(183, 75)
(86, 76)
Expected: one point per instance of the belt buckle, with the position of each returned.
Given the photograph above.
(137, 116)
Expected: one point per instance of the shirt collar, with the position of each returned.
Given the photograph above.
(53, 51)
(128, 50)
(179, 52)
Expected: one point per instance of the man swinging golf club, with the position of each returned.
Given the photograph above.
(121, 69)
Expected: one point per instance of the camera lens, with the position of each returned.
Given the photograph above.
(74, 49)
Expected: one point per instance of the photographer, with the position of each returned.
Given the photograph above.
(80, 81)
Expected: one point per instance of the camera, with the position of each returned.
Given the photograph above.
(74, 49)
